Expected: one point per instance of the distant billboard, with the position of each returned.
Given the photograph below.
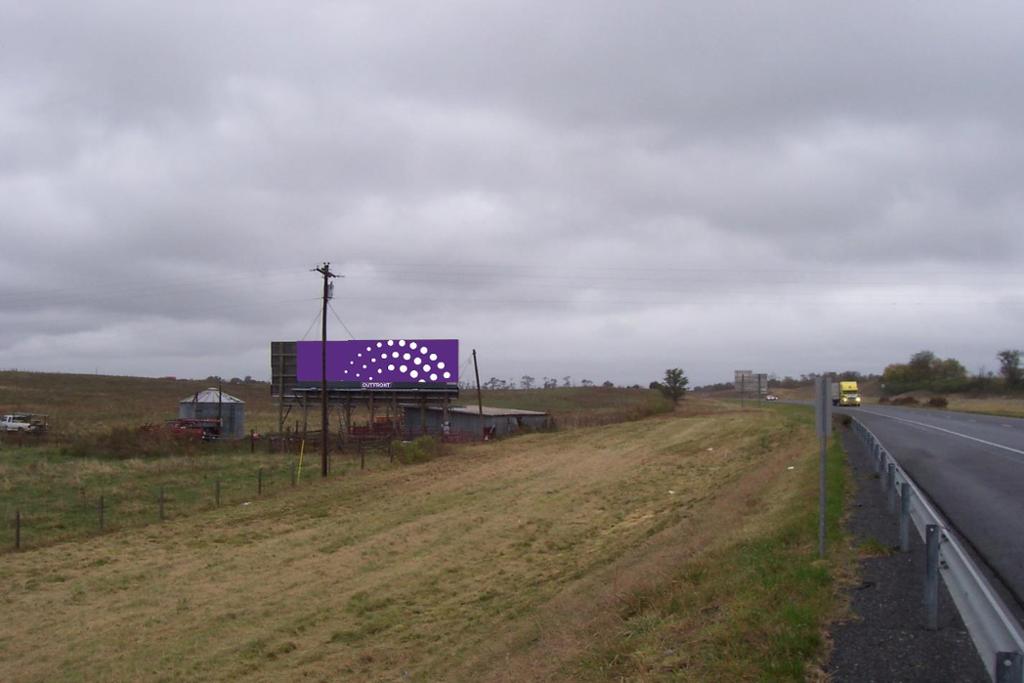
(380, 363)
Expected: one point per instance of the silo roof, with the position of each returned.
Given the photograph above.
(210, 395)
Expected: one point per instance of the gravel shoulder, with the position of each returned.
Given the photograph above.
(886, 639)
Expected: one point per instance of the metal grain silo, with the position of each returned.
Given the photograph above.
(212, 404)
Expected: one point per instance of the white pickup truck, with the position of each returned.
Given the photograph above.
(22, 422)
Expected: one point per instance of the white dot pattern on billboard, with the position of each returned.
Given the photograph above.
(381, 360)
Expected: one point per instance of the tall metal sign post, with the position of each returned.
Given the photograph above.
(742, 380)
(823, 421)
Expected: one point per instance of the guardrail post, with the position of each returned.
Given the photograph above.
(904, 517)
(931, 577)
(1009, 667)
(890, 476)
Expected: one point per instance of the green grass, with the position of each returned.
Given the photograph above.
(763, 601)
(58, 494)
(872, 547)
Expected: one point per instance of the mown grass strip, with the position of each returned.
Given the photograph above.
(754, 609)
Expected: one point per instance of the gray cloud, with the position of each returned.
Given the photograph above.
(594, 189)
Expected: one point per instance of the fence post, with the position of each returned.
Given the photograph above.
(17, 529)
(904, 517)
(931, 577)
(259, 481)
(162, 517)
(101, 514)
(216, 492)
(1009, 667)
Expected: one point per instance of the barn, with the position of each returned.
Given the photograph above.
(467, 421)
(212, 404)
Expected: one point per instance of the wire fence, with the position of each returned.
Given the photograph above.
(38, 513)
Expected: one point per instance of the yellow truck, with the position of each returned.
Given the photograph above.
(845, 394)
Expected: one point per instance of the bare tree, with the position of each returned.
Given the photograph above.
(526, 381)
(1009, 366)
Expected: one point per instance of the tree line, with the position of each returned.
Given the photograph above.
(527, 382)
(926, 371)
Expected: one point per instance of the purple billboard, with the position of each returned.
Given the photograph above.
(380, 363)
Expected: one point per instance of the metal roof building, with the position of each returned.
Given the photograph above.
(211, 404)
(467, 420)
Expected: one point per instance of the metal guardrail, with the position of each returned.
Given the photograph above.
(997, 635)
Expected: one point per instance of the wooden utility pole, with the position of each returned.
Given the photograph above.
(324, 270)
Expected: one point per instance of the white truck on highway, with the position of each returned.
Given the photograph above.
(23, 422)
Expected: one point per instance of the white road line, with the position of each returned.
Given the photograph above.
(947, 431)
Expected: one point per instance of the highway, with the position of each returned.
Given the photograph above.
(972, 467)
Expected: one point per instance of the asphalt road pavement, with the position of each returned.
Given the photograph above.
(972, 468)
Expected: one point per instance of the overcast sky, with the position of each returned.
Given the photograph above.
(595, 189)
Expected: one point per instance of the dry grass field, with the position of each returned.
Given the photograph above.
(678, 547)
(1006, 406)
(87, 404)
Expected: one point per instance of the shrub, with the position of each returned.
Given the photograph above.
(122, 443)
(905, 401)
(421, 449)
(884, 399)
(938, 402)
